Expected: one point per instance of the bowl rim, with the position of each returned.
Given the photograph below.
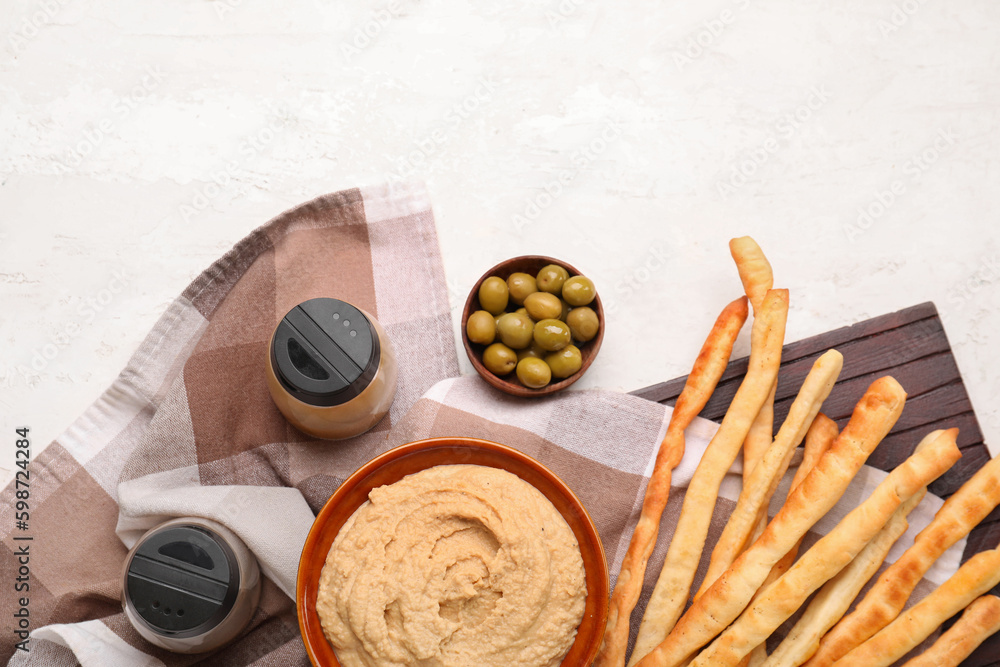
(513, 387)
(365, 478)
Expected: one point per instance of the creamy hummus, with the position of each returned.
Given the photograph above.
(454, 566)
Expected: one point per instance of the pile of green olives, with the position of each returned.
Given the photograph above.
(531, 324)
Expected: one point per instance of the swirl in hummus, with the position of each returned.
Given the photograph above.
(453, 566)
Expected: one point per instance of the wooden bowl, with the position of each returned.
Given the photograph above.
(509, 383)
(416, 456)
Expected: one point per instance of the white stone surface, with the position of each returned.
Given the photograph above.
(672, 126)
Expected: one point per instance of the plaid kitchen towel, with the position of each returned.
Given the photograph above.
(189, 428)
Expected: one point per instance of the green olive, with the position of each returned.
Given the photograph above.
(493, 295)
(515, 330)
(551, 278)
(578, 291)
(533, 373)
(481, 327)
(552, 334)
(523, 311)
(499, 359)
(565, 362)
(565, 310)
(533, 350)
(520, 285)
(542, 306)
(583, 323)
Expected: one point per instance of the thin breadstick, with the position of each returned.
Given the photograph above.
(759, 438)
(755, 271)
(977, 576)
(836, 596)
(820, 436)
(708, 368)
(883, 602)
(760, 435)
(980, 620)
(831, 553)
(757, 491)
(674, 583)
(873, 417)
(757, 277)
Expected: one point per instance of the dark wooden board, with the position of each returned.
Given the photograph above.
(910, 345)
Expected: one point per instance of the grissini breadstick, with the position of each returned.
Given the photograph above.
(760, 435)
(836, 596)
(759, 438)
(757, 277)
(757, 490)
(704, 376)
(754, 448)
(755, 271)
(819, 437)
(977, 576)
(831, 553)
(873, 417)
(674, 583)
(979, 620)
(883, 602)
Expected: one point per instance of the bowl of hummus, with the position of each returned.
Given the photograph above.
(453, 552)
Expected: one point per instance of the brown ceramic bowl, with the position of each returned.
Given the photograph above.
(416, 456)
(509, 383)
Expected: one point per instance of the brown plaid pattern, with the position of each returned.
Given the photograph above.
(189, 428)
(192, 409)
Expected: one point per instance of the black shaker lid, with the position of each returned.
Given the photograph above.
(183, 580)
(325, 352)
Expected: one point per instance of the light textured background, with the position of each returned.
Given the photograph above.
(139, 141)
